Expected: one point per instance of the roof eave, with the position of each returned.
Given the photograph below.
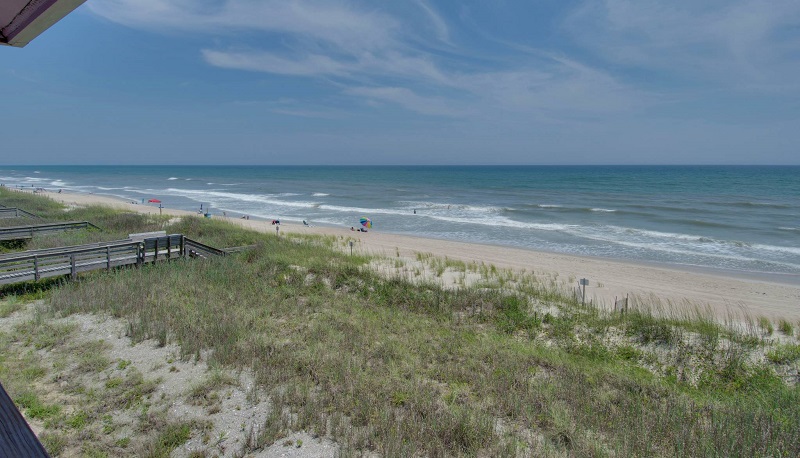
(30, 24)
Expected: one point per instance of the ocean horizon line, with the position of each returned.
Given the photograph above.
(409, 165)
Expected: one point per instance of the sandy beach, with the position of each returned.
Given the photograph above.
(756, 295)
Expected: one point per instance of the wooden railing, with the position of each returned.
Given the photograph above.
(198, 250)
(27, 232)
(12, 212)
(38, 264)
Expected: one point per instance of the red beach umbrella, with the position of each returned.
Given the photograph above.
(155, 201)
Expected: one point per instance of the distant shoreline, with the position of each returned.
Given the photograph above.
(756, 294)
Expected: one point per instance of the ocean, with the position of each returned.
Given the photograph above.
(732, 218)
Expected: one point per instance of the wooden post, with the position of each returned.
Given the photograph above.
(183, 246)
(36, 268)
(140, 254)
(108, 259)
(72, 269)
(155, 256)
(169, 247)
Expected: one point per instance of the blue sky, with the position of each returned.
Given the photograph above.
(408, 82)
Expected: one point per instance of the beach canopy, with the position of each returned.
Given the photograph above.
(366, 222)
(155, 201)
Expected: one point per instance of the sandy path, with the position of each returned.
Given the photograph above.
(758, 295)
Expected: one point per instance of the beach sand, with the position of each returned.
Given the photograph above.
(756, 294)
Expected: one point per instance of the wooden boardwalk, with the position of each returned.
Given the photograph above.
(27, 232)
(37, 264)
(6, 212)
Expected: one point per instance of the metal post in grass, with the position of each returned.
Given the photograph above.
(351, 248)
(583, 282)
(73, 271)
(36, 268)
(140, 254)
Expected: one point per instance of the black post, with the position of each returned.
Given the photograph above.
(108, 259)
(72, 269)
(36, 268)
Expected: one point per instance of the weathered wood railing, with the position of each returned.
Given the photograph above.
(12, 212)
(198, 250)
(27, 232)
(38, 264)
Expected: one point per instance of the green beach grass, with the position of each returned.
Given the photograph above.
(391, 361)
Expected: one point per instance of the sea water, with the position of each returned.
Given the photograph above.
(740, 218)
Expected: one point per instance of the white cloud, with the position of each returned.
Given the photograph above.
(439, 24)
(406, 98)
(333, 23)
(372, 54)
(734, 42)
(311, 65)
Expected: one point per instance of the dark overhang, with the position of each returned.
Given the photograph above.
(23, 20)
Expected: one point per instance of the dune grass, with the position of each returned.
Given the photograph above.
(402, 369)
(403, 366)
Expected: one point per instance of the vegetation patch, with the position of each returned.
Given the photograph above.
(397, 366)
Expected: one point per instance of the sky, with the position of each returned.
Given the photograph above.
(407, 82)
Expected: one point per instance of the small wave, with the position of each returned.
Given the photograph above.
(36, 171)
(479, 209)
(58, 183)
(698, 223)
(505, 222)
(755, 204)
(778, 249)
(666, 208)
(550, 206)
(320, 194)
(791, 229)
(172, 178)
(602, 210)
(231, 196)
